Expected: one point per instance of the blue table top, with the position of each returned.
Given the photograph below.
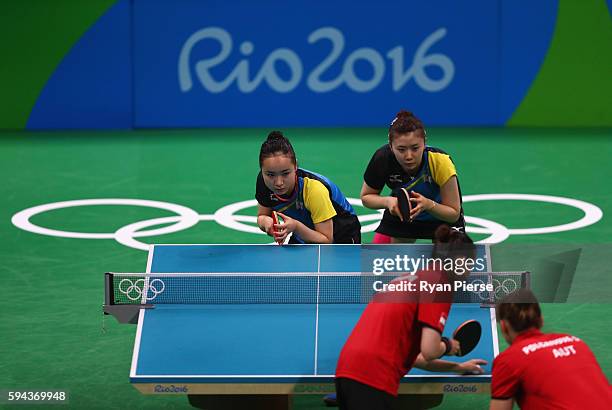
(266, 343)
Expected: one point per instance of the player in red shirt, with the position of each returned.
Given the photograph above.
(393, 335)
(543, 370)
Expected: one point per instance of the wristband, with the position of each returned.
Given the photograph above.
(448, 345)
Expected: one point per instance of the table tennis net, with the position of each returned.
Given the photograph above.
(287, 288)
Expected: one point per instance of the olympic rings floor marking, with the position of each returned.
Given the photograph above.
(592, 213)
(188, 217)
(227, 216)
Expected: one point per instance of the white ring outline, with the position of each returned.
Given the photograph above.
(501, 285)
(498, 232)
(497, 287)
(225, 216)
(480, 282)
(188, 217)
(592, 213)
(126, 234)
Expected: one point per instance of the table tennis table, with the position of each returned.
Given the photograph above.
(272, 349)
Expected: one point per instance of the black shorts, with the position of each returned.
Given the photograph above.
(391, 225)
(347, 229)
(353, 395)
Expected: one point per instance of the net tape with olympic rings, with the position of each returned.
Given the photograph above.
(292, 288)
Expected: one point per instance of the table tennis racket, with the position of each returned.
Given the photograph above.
(468, 335)
(276, 219)
(403, 202)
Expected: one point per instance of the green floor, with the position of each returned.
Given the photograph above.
(51, 325)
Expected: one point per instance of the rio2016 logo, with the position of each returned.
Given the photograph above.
(246, 83)
(170, 389)
(460, 388)
(228, 217)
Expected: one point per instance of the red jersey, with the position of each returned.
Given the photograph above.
(550, 371)
(387, 339)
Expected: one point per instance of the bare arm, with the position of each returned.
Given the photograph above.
(439, 365)
(448, 209)
(372, 199)
(323, 232)
(497, 404)
(432, 346)
(450, 205)
(264, 219)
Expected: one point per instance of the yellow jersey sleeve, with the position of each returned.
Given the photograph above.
(317, 201)
(441, 167)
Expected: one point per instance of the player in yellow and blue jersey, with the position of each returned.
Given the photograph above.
(312, 207)
(429, 175)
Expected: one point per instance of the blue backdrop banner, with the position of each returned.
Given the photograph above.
(303, 63)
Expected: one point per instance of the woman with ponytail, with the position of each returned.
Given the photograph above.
(398, 331)
(426, 172)
(312, 207)
(543, 370)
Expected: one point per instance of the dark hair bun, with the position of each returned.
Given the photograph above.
(443, 233)
(404, 114)
(452, 242)
(275, 135)
(405, 122)
(521, 309)
(274, 144)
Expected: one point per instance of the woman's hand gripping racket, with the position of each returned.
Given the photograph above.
(276, 220)
(404, 204)
(468, 335)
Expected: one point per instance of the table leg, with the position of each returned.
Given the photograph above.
(418, 401)
(240, 402)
